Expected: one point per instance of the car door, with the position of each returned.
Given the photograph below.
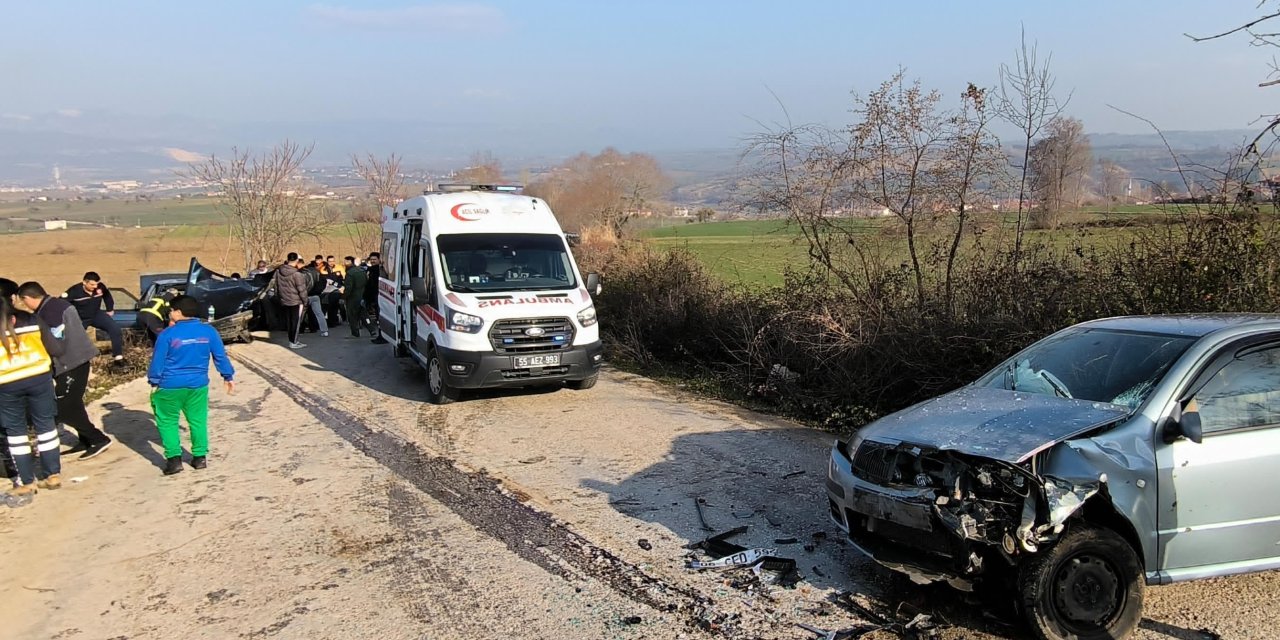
(1220, 498)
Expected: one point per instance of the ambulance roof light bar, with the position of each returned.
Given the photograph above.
(454, 188)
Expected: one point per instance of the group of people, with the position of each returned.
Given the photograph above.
(326, 293)
(46, 356)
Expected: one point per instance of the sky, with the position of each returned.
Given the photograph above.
(647, 75)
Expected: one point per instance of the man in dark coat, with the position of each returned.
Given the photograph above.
(371, 295)
(88, 297)
(71, 369)
(353, 289)
(291, 286)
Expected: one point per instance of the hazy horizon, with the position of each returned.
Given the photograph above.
(553, 78)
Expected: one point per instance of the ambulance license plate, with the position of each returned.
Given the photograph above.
(534, 362)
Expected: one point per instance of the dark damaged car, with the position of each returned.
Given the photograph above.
(1109, 456)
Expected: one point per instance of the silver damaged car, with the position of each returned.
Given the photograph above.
(1109, 456)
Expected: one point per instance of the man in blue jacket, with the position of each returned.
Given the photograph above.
(179, 377)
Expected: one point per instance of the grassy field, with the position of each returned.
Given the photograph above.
(58, 259)
(115, 212)
(758, 252)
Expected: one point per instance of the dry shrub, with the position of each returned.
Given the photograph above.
(815, 350)
(595, 243)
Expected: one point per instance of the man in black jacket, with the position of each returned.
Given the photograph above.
(71, 369)
(88, 297)
(371, 295)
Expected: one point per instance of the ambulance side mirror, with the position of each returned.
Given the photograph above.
(421, 288)
(593, 284)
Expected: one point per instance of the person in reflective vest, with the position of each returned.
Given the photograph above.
(154, 317)
(27, 349)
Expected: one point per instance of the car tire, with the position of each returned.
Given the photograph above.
(438, 388)
(1088, 586)
(583, 384)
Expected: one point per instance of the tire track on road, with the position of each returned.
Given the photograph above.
(530, 534)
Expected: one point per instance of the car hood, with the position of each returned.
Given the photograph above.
(993, 423)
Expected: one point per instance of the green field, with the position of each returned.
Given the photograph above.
(113, 212)
(758, 252)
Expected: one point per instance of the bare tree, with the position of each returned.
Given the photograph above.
(897, 143)
(386, 183)
(971, 162)
(905, 156)
(1059, 167)
(609, 188)
(1026, 100)
(1259, 37)
(1113, 182)
(264, 198)
(386, 187)
(483, 168)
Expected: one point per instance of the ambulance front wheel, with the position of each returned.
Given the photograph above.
(437, 384)
(583, 384)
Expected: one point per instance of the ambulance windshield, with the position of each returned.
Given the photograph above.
(482, 262)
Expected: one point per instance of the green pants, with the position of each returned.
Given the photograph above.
(192, 403)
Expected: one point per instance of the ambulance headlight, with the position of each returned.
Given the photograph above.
(464, 322)
(587, 317)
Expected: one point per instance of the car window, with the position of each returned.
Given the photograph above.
(1101, 365)
(1243, 394)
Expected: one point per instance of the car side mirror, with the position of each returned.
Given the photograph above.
(1190, 425)
(593, 284)
(1185, 424)
(421, 291)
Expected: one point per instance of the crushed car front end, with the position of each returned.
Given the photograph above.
(934, 515)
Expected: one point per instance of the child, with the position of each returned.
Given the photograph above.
(179, 377)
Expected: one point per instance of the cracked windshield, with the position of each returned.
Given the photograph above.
(1115, 367)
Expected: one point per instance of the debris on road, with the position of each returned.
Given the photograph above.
(744, 558)
(786, 540)
(702, 518)
(766, 567)
(907, 620)
(793, 474)
(717, 546)
(630, 620)
(644, 544)
(533, 460)
(840, 634)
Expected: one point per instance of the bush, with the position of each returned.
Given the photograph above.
(838, 356)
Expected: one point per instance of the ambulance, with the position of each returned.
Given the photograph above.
(480, 288)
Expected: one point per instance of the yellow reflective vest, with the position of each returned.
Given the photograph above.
(25, 357)
(157, 307)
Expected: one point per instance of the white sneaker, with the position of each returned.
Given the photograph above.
(297, 345)
(324, 334)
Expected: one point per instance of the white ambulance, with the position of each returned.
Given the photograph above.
(479, 286)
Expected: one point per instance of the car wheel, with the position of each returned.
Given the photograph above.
(583, 384)
(437, 384)
(1088, 586)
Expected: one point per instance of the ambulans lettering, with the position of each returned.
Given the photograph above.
(548, 300)
(468, 211)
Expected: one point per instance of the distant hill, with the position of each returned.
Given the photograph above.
(96, 146)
